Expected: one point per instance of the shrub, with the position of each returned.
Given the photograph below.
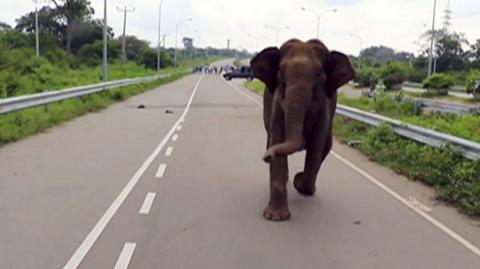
(438, 81)
(365, 75)
(394, 74)
(473, 82)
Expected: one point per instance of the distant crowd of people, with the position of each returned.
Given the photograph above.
(212, 70)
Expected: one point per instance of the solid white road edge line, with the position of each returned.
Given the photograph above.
(147, 204)
(125, 256)
(161, 170)
(417, 210)
(464, 242)
(88, 242)
(169, 151)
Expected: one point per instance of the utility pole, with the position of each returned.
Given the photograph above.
(430, 60)
(159, 34)
(105, 40)
(37, 30)
(37, 41)
(124, 49)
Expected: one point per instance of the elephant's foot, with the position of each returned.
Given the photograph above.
(276, 213)
(304, 185)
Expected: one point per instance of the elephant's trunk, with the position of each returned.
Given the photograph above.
(295, 107)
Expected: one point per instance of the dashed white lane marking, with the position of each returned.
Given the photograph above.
(179, 127)
(397, 196)
(125, 256)
(147, 204)
(88, 242)
(169, 151)
(161, 170)
(175, 137)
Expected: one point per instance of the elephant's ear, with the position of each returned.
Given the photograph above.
(265, 66)
(339, 72)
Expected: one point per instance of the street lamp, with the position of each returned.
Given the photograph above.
(159, 34)
(318, 15)
(176, 37)
(361, 47)
(276, 30)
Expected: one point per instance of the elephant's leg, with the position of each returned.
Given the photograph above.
(277, 208)
(305, 181)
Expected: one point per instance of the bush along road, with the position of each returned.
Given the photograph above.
(456, 180)
(21, 124)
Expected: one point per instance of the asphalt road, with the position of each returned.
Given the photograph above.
(130, 188)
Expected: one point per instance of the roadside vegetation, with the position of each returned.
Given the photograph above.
(456, 179)
(457, 63)
(465, 126)
(71, 55)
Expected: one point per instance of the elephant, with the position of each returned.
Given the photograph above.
(301, 82)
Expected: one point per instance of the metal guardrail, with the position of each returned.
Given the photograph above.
(469, 149)
(9, 105)
(436, 105)
(447, 107)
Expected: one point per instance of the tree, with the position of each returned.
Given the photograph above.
(88, 32)
(134, 47)
(62, 21)
(47, 23)
(148, 57)
(378, 55)
(450, 53)
(474, 54)
(91, 54)
(71, 13)
(4, 27)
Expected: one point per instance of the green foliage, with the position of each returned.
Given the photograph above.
(21, 124)
(465, 126)
(438, 81)
(456, 179)
(473, 82)
(394, 74)
(365, 75)
(148, 58)
(92, 54)
(256, 86)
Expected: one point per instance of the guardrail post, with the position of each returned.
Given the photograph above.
(417, 110)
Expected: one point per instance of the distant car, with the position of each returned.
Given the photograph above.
(243, 72)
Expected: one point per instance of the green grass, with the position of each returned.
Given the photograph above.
(465, 126)
(21, 124)
(256, 86)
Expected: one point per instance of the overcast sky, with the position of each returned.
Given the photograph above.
(396, 24)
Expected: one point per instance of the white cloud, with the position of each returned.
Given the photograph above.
(393, 23)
